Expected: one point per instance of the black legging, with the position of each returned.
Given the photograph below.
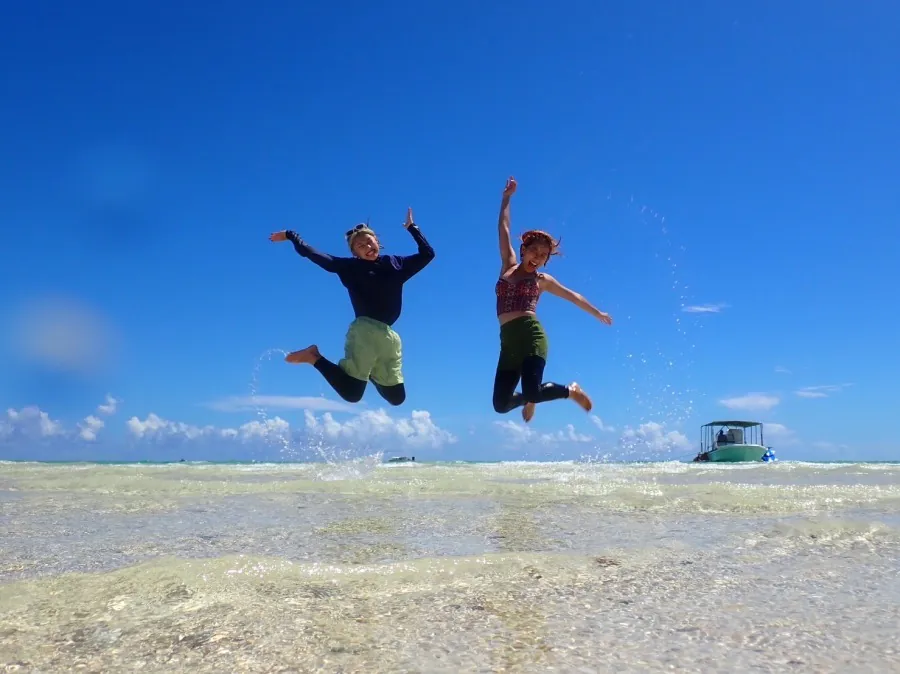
(351, 389)
(533, 391)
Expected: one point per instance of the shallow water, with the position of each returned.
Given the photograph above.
(516, 567)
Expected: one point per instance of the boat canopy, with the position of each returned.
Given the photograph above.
(734, 424)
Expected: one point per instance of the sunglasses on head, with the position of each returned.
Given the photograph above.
(360, 226)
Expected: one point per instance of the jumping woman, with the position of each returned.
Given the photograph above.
(372, 350)
(523, 342)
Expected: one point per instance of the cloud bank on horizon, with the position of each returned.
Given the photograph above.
(374, 429)
(152, 437)
(366, 430)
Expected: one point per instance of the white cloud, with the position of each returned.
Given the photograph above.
(752, 402)
(89, 428)
(30, 422)
(820, 391)
(779, 435)
(781, 369)
(63, 334)
(109, 407)
(810, 394)
(520, 434)
(704, 308)
(654, 437)
(244, 403)
(516, 433)
(369, 427)
(154, 427)
(416, 431)
(569, 434)
(598, 422)
(277, 427)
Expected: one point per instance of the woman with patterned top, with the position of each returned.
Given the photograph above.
(523, 342)
(372, 349)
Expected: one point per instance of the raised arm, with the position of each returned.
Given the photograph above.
(507, 252)
(410, 265)
(554, 287)
(327, 262)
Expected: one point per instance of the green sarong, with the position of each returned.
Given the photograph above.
(520, 338)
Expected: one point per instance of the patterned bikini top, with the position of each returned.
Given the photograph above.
(517, 296)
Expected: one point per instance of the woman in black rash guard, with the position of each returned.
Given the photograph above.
(372, 349)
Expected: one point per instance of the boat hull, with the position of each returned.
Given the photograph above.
(737, 453)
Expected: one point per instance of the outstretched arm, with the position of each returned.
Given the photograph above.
(324, 260)
(554, 287)
(413, 264)
(507, 252)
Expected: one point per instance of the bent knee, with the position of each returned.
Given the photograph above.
(397, 400)
(501, 406)
(355, 395)
(394, 394)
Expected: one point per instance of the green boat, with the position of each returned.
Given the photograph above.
(733, 442)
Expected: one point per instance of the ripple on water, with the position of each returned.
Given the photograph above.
(572, 567)
(501, 611)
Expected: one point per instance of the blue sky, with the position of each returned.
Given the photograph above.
(741, 159)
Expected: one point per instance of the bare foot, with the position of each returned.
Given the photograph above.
(308, 355)
(528, 411)
(579, 396)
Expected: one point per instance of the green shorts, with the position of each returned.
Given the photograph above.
(520, 338)
(372, 350)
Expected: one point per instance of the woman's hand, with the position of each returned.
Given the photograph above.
(554, 287)
(510, 187)
(278, 236)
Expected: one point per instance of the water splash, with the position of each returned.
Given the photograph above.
(668, 403)
(351, 462)
(285, 439)
(658, 369)
(339, 463)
